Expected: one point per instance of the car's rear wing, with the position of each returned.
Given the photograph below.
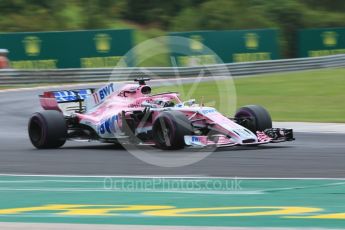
(63, 100)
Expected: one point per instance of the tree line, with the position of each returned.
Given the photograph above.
(179, 15)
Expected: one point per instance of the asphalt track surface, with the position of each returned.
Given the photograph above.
(311, 155)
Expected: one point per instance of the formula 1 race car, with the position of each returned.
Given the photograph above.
(131, 114)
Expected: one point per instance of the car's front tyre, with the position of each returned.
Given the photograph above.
(169, 130)
(254, 117)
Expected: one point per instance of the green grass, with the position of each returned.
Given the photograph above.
(315, 96)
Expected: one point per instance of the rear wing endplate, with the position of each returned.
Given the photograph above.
(50, 100)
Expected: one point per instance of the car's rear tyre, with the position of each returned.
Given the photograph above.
(254, 117)
(47, 129)
(169, 130)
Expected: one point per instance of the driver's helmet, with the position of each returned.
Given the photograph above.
(163, 102)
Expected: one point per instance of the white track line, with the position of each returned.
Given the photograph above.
(312, 127)
(172, 177)
(44, 181)
(204, 192)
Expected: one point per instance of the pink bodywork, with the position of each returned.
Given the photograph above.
(117, 102)
(108, 103)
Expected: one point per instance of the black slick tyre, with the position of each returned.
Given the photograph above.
(47, 129)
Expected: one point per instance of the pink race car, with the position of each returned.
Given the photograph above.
(130, 114)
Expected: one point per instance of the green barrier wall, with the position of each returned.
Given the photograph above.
(230, 46)
(321, 42)
(70, 49)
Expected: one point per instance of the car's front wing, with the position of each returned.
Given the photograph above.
(273, 135)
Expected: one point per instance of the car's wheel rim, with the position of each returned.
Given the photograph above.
(164, 132)
(250, 123)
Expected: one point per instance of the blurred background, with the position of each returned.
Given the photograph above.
(155, 18)
(285, 55)
(96, 34)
